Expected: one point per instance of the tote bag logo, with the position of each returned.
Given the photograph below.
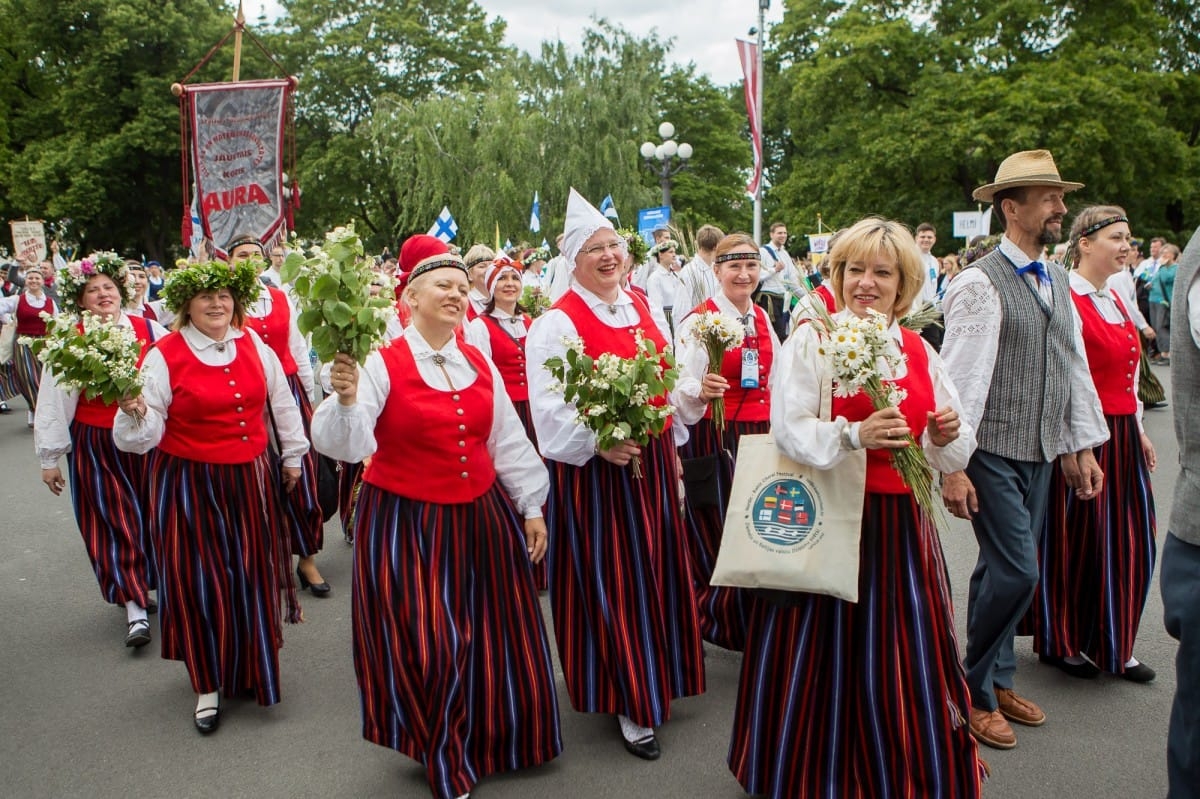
(785, 514)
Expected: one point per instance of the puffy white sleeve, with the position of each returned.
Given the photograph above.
(289, 426)
(8, 305)
(130, 436)
(298, 347)
(692, 362)
(52, 420)
(971, 309)
(954, 456)
(798, 378)
(521, 471)
(347, 432)
(477, 336)
(559, 437)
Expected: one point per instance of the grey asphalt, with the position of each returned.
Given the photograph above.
(81, 715)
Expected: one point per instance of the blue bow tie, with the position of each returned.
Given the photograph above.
(1038, 268)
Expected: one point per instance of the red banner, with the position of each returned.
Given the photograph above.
(748, 55)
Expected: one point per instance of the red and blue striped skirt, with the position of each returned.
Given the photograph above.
(621, 587)
(349, 484)
(224, 569)
(540, 572)
(1096, 558)
(723, 610)
(28, 371)
(862, 700)
(301, 506)
(450, 648)
(108, 487)
(8, 382)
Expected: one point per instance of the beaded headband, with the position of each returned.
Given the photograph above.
(437, 262)
(1103, 223)
(739, 256)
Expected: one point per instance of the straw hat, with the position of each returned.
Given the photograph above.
(1026, 168)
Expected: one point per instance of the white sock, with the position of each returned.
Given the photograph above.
(1074, 660)
(134, 612)
(206, 703)
(1131, 663)
(632, 732)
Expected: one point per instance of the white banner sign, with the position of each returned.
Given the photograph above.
(968, 225)
(819, 242)
(29, 241)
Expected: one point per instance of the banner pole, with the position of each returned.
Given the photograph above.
(240, 21)
(758, 66)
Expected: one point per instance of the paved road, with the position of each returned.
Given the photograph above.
(80, 715)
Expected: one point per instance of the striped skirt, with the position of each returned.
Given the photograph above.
(723, 610)
(450, 649)
(1097, 558)
(8, 382)
(349, 484)
(301, 507)
(223, 570)
(28, 371)
(861, 700)
(540, 572)
(108, 487)
(621, 587)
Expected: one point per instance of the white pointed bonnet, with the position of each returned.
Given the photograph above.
(583, 220)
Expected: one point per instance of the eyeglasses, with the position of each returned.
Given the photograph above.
(616, 247)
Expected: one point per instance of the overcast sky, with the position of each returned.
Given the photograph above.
(704, 30)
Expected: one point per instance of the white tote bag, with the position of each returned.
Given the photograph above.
(8, 335)
(792, 527)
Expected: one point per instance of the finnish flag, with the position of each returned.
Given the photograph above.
(607, 208)
(535, 216)
(444, 227)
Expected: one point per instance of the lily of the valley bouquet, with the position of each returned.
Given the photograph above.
(91, 355)
(858, 350)
(333, 291)
(534, 301)
(613, 395)
(718, 333)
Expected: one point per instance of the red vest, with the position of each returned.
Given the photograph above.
(508, 353)
(96, 412)
(1113, 351)
(148, 312)
(275, 330)
(29, 319)
(881, 477)
(216, 413)
(826, 295)
(433, 444)
(599, 338)
(746, 404)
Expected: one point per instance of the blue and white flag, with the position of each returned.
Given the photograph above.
(535, 216)
(444, 227)
(507, 245)
(607, 208)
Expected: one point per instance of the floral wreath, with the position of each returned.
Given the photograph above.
(969, 255)
(74, 276)
(241, 278)
(637, 245)
(663, 246)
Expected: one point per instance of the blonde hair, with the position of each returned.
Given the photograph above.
(872, 237)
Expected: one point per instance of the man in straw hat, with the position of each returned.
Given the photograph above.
(1014, 351)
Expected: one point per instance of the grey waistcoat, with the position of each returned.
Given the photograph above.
(1027, 401)
(1185, 397)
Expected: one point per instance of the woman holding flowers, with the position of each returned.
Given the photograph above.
(1096, 558)
(27, 308)
(108, 486)
(725, 350)
(866, 699)
(621, 584)
(223, 566)
(450, 650)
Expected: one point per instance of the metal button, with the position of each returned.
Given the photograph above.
(455, 398)
(245, 438)
(226, 370)
(462, 443)
(462, 428)
(241, 424)
(463, 475)
(459, 411)
(462, 459)
(233, 382)
(239, 409)
(237, 396)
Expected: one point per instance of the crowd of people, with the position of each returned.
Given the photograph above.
(469, 484)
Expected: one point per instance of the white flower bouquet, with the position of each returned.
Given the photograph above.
(614, 396)
(333, 290)
(718, 333)
(534, 301)
(95, 357)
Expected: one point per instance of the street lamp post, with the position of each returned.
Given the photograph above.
(665, 159)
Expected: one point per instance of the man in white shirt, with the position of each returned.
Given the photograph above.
(1146, 269)
(779, 278)
(926, 237)
(557, 276)
(1014, 350)
(697, 281)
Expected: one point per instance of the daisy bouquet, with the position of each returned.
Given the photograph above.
(91, 355)
(333, 290)
(718, 333)
(614, 397)
(859, 352)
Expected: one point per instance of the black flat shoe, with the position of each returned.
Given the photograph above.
(1139, 673)
(152, 607)
(321, 589)
(138, 634)
(1084, 671)
(207, 724)
(646, 748)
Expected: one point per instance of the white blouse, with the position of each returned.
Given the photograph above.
(156, 390)
(8, 305)
(560, 438)
(800, 375)
(479, 335)
(692, 359)
(347, 432)
(297, 344)
(56, 409)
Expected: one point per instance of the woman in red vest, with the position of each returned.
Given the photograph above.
(1097, 557)
(743, 383)
(621, 580)
(138, 304)
(224, 567)
(27, 308)
(866, 699)
(450, 649)
(108, 486)
(270, 314)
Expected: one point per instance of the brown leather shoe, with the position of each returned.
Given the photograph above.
(990, 728)
(1018, 709)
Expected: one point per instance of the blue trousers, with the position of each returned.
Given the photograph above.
(1180, 584)
(1012, 506)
